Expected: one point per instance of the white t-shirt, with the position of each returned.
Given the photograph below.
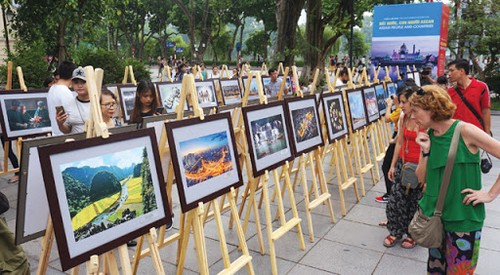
(78, 112)
(58, 95)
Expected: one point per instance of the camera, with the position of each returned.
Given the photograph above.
(425, 72)
(486, 165)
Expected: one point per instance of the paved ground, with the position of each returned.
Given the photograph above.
(352, 245)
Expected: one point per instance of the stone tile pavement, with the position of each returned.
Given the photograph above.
(351, 245)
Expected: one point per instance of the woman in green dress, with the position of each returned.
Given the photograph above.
(463, 212)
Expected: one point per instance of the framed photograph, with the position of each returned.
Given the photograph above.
(205, 158)
(381, 95)
(32, 205)
(231, 91)
(169, 95)
(370, 98)
(399, 84)
(304, 125)
(104, 192)
(333, 108)
(391, 88)
(416, 77)
(24, 114)
(267, 136)
(356, 109)
(126, 93)
(265, 81)
(254, 94)
(206, 93)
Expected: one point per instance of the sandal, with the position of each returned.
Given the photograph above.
(390, 241)
(408, 243)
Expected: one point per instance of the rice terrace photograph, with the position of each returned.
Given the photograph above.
(268, 135)
(205, 157)
(108, 190)
(305, 124)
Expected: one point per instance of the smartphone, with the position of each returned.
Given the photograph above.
(160, 110)
(60, 109)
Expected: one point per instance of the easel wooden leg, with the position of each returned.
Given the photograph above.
(125, 260)
(47, 242)
(269, 229)
(252, 204)
(155, 254)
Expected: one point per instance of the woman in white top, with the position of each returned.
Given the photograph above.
(76, 110)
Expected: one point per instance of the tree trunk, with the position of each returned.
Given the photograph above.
(314, 38)
(287, 17)
(61, 44)
(233, 40)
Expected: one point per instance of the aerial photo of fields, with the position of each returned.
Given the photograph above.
(108, 190)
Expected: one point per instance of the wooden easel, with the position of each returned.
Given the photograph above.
(281, 69)
(19, 141)
(263, 69)
(315, 159)
(341, 158)
(253, 185)
(129, 70)
(224, 72)
(166, 72)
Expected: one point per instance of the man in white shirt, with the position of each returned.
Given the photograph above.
(77, 108)
(59, 93)
(273, 87)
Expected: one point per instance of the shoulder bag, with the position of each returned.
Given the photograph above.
(408, 176)
(486, 163)
(428, 231)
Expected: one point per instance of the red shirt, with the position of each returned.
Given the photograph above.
(478, 95)
(410, 148)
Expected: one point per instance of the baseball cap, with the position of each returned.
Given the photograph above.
(79, 73)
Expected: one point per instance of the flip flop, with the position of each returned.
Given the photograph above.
(408, 243)
(390, 241)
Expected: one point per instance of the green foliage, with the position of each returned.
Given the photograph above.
(493, 81)
(77, 194)
(31, 59)
(104, 59)
(104, 184)
(137, 170)
(359, 46)
(108, 61)
(148, 194)
(257, 43)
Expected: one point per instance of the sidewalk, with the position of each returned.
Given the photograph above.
(352, 245)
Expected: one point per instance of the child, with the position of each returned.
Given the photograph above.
(145, 101)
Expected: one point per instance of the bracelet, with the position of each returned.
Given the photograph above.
(426, 154)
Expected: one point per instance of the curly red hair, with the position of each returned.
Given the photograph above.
(436, 100)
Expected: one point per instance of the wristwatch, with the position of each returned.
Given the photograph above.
(426, 154)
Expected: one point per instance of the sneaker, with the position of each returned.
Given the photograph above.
(382, 199)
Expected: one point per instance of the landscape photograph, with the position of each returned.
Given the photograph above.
(205, 157)
(357, 109)
(305, 124)
(381, 96)
(268, 135)
(108, 190)
(230, 91)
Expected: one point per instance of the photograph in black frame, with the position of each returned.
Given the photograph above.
(267, 136)
(105, 193)
(231, 91)
(391, 88)
(24, 114)
(205, 91)
(381, 97)
(205, 158)
(254, 93)
(409, 75)
(126, 93)
(370, 99)
(304, 124)
(169, 94)
(335, 116)
(32, 205)
(356, 109)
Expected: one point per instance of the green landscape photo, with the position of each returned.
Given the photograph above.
(108, 190)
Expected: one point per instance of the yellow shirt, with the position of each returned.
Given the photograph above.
(394, 117)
